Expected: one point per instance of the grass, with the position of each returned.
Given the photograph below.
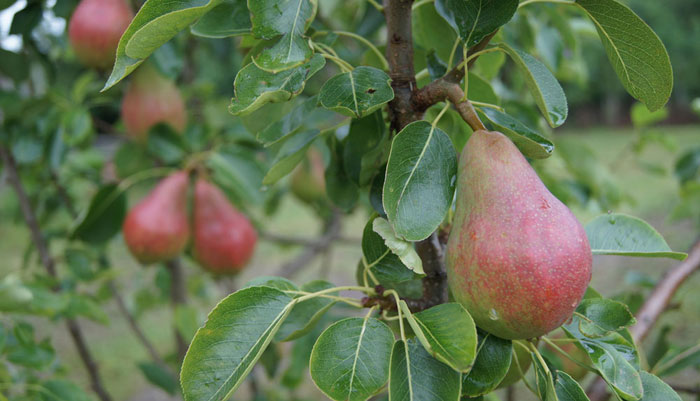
(652, 197)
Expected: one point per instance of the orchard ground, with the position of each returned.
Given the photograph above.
(653, 199)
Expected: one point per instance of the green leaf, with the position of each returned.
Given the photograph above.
(416, 375)
(480, 90)
(236, 333)
(155, 23)
(678, 359)
(642, 117)
(381, 261)
(350, 360)
(187, 321)
(230, 18)
(447, 332)
(603, 316)
(431, 32)
(159, 376)
(279, 283)
(290, 154)
(403, 249)
(688, 165)
(165, 144)
(254, 87)
(530, 143)
(307, 114)
(620, 234)
(490, 367)
(63, 390)
(306, 314)
(635, 52)
(363, 148)
(420, 180)
(340, 189)
(545, 89)
(656, 390)
(104, 216)
(238, 171)
(473, 20)
(567, 389)
(14, 295)
(544, 382)
(357, 93)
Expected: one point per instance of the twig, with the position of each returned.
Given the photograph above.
(399, 54)
(330, 234)
(289, 240)
(73, 327)
(686, 389)
(652, 308)
(178, 296)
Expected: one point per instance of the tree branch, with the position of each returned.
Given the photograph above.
(330, 234)
(30, 218)
(657, 302)
(399, 54)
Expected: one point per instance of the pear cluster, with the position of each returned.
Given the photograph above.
(159, 228)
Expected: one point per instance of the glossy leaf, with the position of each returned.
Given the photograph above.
(350, 360)
(384, 264)
(230, 18)
(431, 32)
(544, 381)
(403, 249)
(620, 234)
(279, 283)
(254, 87)
(567, 389)
(289, 155)
(480, 90)
(475, 19)
(603, 316)
(545, 89)
(530, 143)
(104, 216)
(363, 147)
(288, 124)
(155, 23)
(416, 375)
(490, 366)
(447, 332)
(656, 390)
(420, 180)
(357, 93)
(306, 314)
(634, 50)
(236, 333)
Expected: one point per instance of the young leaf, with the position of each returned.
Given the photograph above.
(545, 89)
(448, 332)
(416, 375)
(656, 390)
(567, 389)
(490, 366)
(473, 20)
(357, 93)
(289, 155)
(254, 87)
(155, 23)
(420, 180)
(305, 314)
(634, 50)
(403, 249)
(350, 360)
(381, 261)
(230, 18)
(620, 234)
(530, 143)
(104, 216)
(236, 333)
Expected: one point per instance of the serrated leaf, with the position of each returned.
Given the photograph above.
(420, 180)
(254, 87)
(490, 366)
(155, 23)
(530, 143)
(350, 360)
(447, 332)
(236, 333)
(636, 53)
(568, 389)
(289, 155)
(403, 249)
(381, 261)
(230, 18)
(621, 234)
(416, 375)
(306, 314)
(545, 89)
(357, 93)
(104, 216)
(476, 18)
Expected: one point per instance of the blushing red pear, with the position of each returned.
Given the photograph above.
(224, 239)
(95, 28)
(517, 258)
(157, 228)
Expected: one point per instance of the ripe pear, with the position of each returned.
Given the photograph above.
(309, 180)
(157, 228)
(95, 28)
(224, 239)
(151, 99)
(517, 258)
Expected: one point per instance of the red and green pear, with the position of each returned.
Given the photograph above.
(224, 238)
(157, 228)
(517, 258)
(95, 28)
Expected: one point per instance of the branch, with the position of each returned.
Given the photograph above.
(653, 307)
(331, 233)
(399, 54)
(289, 240)
(50, 266)
(178, 296)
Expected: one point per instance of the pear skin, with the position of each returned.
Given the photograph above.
(95, 28)
(517, 258)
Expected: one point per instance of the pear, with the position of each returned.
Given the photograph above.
(224, 239)
(95, 28)
(309, 180)
(517, 258)
(151, 99)
(157, 228)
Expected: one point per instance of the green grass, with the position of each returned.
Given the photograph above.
(652, 197)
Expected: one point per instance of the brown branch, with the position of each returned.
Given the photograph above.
(73, 327)
(178, 296)
(330, 234)
(657, 302)
(399, 54)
